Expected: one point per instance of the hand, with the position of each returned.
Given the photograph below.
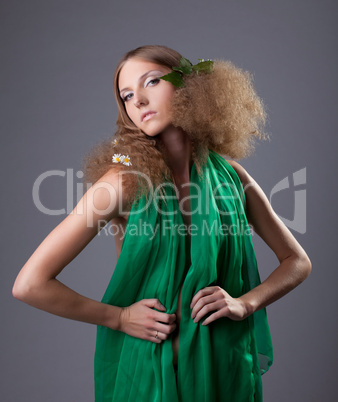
(141, 321)
(215, 298)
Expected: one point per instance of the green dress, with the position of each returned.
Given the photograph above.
(221, 361)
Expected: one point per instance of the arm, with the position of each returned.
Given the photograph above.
(294, 266)
(36, 283)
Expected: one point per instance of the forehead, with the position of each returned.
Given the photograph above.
(134, 68)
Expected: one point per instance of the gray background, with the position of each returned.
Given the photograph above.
(58, 59)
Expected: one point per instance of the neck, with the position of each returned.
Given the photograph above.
(178, 149)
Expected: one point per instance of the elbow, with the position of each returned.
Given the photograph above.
(308, 266)
(305, 266)
(21, 289)
(18, 290)
(301, 267)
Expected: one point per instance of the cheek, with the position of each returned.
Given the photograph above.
(132, 115)
(168, 96)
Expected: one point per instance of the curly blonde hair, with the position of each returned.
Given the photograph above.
(218, 110)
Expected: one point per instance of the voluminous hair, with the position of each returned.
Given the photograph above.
(220, 111)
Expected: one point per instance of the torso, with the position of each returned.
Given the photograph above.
(185, 210)
(121, 222)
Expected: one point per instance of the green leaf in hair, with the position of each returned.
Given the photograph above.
(175, 78)
(203, 66)
(185, 67)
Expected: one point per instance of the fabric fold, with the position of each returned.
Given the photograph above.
(221, 361)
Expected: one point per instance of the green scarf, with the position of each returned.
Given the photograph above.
(221, 361)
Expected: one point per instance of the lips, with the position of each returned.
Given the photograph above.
(147, 115)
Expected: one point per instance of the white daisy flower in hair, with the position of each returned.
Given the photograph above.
(117, 158)
(114, 141)
(126, 160)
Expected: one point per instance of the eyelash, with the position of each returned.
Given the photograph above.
(125, 98)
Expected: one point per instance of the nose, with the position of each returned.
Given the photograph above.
(140, 99)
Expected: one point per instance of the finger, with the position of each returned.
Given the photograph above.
(200, 294)
(165, 318)
(205, 300)
(206, 309)
(159, 306)
(156, 336)
(155, 303)
(213, 317)
(158, 339)
(164, 328)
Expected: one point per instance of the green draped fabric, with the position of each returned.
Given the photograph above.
(221, 361)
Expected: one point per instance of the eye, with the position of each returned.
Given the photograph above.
(155, 80)
(125, 99)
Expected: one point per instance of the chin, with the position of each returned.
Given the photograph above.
(154, 132)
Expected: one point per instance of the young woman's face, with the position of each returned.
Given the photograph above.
(142, 91)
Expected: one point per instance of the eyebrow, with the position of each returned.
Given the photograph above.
(142, 76)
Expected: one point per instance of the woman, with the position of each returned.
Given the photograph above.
(199, 289)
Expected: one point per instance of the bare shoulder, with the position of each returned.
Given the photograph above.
(243, 175)
(264, 220)
(100, 203)
(113, 184)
